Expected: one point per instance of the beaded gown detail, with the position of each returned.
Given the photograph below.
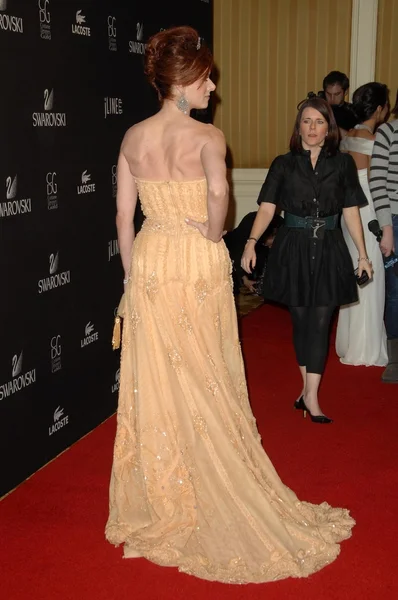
(191, 485)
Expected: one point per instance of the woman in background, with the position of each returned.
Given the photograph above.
(361, 336)
(309, 267)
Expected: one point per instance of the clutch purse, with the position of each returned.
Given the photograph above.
(117, 327)
(363, 279)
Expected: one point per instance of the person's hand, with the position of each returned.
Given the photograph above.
(249, 258)
(249, 283)
(387, 241)
(365, 265)
(203, 228)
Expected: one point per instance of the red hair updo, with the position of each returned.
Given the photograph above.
(176, 56)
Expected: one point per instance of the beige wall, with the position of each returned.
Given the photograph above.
(387, 45)
(270, 53)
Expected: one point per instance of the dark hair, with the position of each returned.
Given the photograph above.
(176, 56)
(395, 109)
(336, 77)
(332, 140)
(367, 98)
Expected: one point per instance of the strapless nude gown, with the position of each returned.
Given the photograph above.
(191, 485)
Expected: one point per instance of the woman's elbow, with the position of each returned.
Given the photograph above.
(219, 191)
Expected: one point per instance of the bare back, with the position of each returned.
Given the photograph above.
(355, 141)
(167, 148)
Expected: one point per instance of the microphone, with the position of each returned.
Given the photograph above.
(390, 261)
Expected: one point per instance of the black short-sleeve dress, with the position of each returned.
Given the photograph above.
(303, 270)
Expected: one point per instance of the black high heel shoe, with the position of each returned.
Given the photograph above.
(314, 418)
(299, 404)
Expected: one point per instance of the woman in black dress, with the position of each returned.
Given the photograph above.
(309, 267)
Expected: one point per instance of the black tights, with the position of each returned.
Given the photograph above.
(311, 335)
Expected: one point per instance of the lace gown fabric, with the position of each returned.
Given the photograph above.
(361, 335)
(191, 485)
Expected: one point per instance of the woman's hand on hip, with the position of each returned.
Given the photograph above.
(204, 229)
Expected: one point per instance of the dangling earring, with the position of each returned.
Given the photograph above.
(182, 104)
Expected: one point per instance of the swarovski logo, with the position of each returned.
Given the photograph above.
(112, 45)
(56, 279)
(52, 188)
(9, 22)
(13, 207)
(138, 46)
(55, 353)
(113, 249)
(11, 186)
(49, 118)
(45, 19)
(17, 364)
(90, 335)
(113, 106)
(48, 99)
(116, 384)
(53, 260)
(59, 420)
(78, 28)
(85, 187)
(19, 379)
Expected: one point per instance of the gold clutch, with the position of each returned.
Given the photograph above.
(118, 325)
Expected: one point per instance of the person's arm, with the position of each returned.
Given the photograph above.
(126, 200)
(213, 160)
(354, 198)
(267, 200)
(212, 156)
(378, 186)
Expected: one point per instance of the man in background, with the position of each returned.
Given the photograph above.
(335, 88)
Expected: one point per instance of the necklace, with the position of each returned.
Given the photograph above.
(363, 126)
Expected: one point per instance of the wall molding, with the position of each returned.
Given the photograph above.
(363, 42)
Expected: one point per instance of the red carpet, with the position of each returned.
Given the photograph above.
(52, 541)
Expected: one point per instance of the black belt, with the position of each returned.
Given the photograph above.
(317, 224)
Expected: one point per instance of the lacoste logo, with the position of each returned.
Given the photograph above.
(89, 328)
(85, 176)
(58, 413)
(80, 18)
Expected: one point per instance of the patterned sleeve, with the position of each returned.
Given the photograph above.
(273, 182)
(378, 174)
(354, 194)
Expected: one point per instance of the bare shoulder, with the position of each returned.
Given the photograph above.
(214, 136)
(134, 132)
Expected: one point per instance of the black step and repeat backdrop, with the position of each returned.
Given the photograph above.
(72, 83)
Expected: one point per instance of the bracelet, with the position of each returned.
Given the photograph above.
(252, 238)
(364, 258)
(125, 281)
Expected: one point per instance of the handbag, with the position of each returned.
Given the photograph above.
(117, 327)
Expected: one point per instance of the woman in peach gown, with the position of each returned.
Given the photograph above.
(191, 485)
